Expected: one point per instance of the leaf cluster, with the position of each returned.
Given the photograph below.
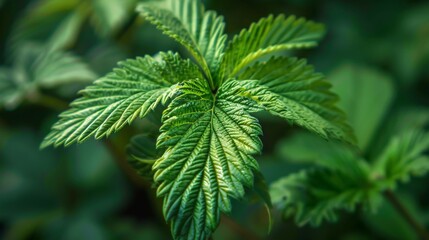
(205, 151)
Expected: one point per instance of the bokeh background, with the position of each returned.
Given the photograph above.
(375, 53)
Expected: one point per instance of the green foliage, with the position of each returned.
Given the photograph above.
(36, 68)
(343, 181)
(207, 136)
(404, 157)
(63, 20)
(269, 35)
(303, 96)
(186, 21)
(142, 154)
(340, 178)
(209, 142)
(118, 98)
(69, 207)
(367, 113)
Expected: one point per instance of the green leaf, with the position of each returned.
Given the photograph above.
(403, 158)
(186, 21)
(295, 149)
(130, 91)
(36, 68)
(143, 154)
(10, 95)
(302, 96)
(59, 22)
(108, 16)
(209, 141)
(315, 195)
(365, 96)
(269, 35)
(54, 68)
(67, 32)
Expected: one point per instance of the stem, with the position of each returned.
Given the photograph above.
(397, 204)
(51, 102)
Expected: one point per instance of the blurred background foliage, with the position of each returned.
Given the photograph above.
(376, 55)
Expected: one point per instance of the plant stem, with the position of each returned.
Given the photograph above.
(50, 102)
(396, 203)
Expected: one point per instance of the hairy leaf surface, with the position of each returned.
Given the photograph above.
(130, 91)
(209, 141)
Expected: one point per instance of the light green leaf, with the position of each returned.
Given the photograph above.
(59, 22)
(55, 68)
(302, 96)
(109, 15)
(365, 95)
(209, 142)
(403, 158)
(130, 91)
(10, 94)
(314, 195)
(36, 68)
(306, 147)
(67, 32)
(186, 21)
(269, 35)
